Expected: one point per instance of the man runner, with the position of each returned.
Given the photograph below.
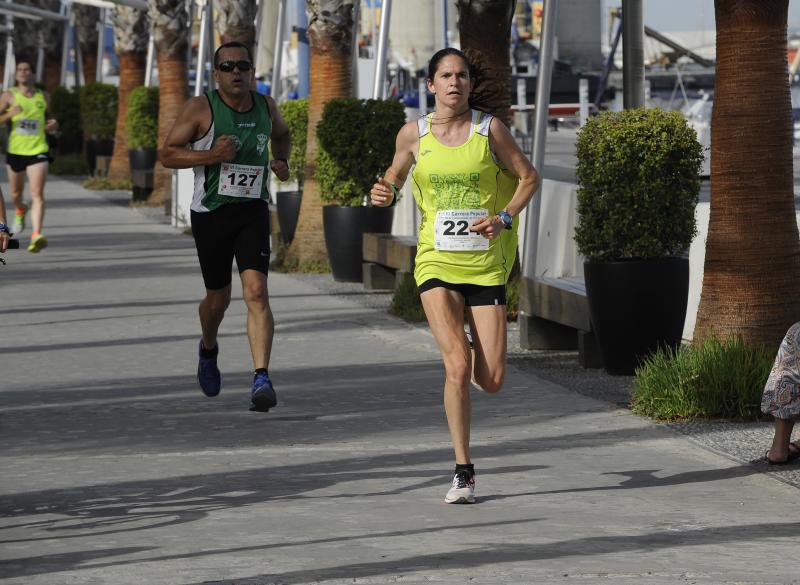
(28, 151)
(224, 135)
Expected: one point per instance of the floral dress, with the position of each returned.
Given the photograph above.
(781, 396)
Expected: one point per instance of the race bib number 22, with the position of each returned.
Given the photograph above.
(451, 230)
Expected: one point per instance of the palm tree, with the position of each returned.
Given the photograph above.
(131, 36)
(236, 21)
(86, 18)
(485, 30)
(752, 265)
(331, 26)
(170, 26)
(28, 34)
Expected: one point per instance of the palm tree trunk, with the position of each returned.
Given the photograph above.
(331, 27)
(485, 30)
(131, 75)
(236, 21)
(752, 265)
(171, 30)
(130, 37)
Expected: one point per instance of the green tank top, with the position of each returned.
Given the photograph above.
(27, 136)
(245, 177)
(453, 185)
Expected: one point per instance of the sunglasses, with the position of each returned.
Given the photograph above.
(228, 66)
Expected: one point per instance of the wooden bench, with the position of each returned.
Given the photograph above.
(555, 315)
(387, 260)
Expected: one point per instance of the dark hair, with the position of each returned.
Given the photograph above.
(433, 64)
(232, 45)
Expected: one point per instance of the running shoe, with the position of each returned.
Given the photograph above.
(19, 220)
(263, 396)
(38, 242)
(463, 489)
(208, 373)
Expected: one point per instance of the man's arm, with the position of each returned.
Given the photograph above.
(50, 124)
(280, 141)
(7, 107)
(175, 154)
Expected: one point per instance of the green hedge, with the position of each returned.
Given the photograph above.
(141, 119)
(99, 110)
(295, 112)
(65, 107)
(356, 141)
(638, 175)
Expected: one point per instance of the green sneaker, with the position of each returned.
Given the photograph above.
(37, 243)
(19, 220)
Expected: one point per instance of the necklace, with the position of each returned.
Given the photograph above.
(438, 121)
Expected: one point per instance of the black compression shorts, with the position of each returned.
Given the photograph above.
(20, 162)
(239, 230)
(474, 295)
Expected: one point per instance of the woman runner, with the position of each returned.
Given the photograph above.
(471, 180)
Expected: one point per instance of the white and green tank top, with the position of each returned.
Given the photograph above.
(453, 186)
(245, 177)
(27, 136)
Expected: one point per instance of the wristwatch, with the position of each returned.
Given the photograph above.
(506, 218)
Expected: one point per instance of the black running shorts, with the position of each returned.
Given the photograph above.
(20, 162)
(239, 230)
(474, 295)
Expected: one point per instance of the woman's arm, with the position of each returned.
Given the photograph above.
(508, 151)
(383, 192)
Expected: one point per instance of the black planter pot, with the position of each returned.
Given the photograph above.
(97, 147)
(344, 234)
(288, 204)
(636, 306)
(142, 161)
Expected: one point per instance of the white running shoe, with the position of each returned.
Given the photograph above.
(462, 490)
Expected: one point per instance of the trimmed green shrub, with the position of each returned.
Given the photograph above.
(638, 175)
(710, 379)
(512, 299)
(356, 141)
(141, 119)
(69, 164)
(295, 112)
(99, 110)
(65, 106)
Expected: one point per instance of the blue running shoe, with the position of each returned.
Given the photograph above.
(208, 373)
(262, 397)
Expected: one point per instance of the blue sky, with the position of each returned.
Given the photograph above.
(676, 15)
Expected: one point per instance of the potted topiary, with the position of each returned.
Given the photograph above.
(295, 112)
(638, 175)
(99, 121)
(356, 141)
(141, 134)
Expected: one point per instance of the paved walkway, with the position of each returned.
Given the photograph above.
(116, 470)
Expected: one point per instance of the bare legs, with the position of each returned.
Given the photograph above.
(779, 451)
(260, 325)
(445, 312)
(37, 176)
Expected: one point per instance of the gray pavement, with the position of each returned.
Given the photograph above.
(116, 470)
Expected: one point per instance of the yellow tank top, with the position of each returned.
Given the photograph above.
(27, 136)
(452, 186)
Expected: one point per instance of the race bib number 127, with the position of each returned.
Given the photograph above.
(240, 180)
(451, 231)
